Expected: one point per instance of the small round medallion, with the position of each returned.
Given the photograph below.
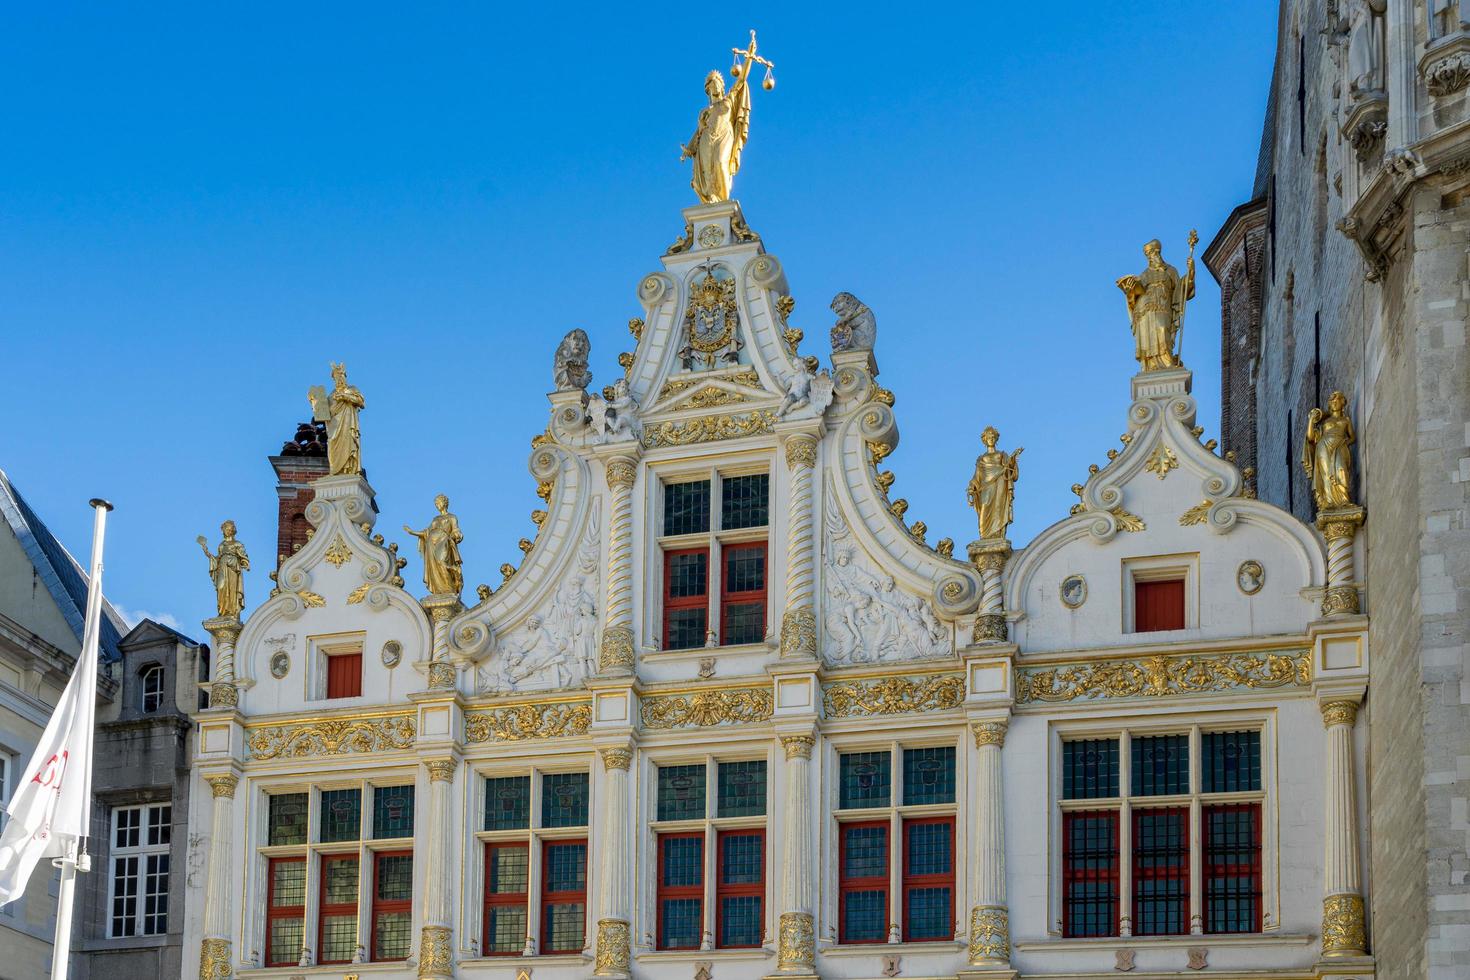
(711, 236)
(392, 653)
(1250, 576)
(280, 664)
(1074, 591)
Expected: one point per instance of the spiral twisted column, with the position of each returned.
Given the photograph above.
(436, 954)
(796, 950)
(989, 558)
(616, 652)
(441, 609)
(1340, 528)
(799, 621)
(1343, 932)
(614, 934)
(990, 936)
(226, 630)
(214, 952)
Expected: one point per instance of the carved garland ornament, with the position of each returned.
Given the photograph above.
(704, 709)
(990, 934)
(712, 428)
(517, 723)
(333, 736)
(1162, 676)
(894, 695)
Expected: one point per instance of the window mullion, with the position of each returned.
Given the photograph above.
(534, 893)
(1196, 835)
(1125, 834)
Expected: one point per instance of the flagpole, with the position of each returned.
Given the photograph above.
(73, 861)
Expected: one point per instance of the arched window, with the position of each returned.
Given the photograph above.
(152, 688)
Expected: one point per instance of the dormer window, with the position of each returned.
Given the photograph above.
(152, 678)
(715, 543)
(1160, 593)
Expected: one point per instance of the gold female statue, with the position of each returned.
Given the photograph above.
(992, 489)
(1327, 454)
(339, 410)
(439, 548)
(1156, 299)
(226, 571)
(724, 126)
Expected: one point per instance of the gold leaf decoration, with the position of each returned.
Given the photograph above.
(1163, 676)
(713, 397)
(1196, 514)
(704, 709)
(1162, 461)
(333, 736)
(711, 428)
(358, 594)
(338, 554)
(894, 695)
(1127, 521)
(519, 722)
(747, 378)
(311, 599)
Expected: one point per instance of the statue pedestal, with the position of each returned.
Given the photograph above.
(1167, 383)
(351, 494)
(989, 556)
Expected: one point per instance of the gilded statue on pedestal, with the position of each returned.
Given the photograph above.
(1327, 454)
(1156, 298)
(439, 548)
(724, 126)
(226, 570)
(992, 489)
(339, 410)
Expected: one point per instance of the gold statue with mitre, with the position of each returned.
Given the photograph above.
(1156, 299)
(339, 410)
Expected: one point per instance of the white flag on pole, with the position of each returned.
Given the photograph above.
(50, 806)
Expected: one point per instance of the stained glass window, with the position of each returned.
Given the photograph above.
(507, 877)
(1161, 872)
(392, 906)
(863, 883)
(865, 780)
(1232, 762)
(341, 814)
(1232, 867)
(392, 811)
(680, 891)
(745, 501)
(1160, 765)
(564, 896)
(686, 507)
(1090, 873)
(564, 799)
(287, 819)
(1090, 769)
(740, 889)
(681, 792)
(928, 775)
(742, 787)
(508, 803)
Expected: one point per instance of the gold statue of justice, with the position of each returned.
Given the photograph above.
(724, 126)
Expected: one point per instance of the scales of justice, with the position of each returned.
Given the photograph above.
(724, 126)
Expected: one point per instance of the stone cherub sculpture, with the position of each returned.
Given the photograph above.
(856, 328)
(439, 548)
(339, 410)
(992, 490)
(613, 415)
(807, 388)
(569, 364)
(1327, 454)
(226, 571)
(724, 126)
(1156, 298)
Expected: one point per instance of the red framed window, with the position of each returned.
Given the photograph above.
(743, 594)
(563, 896)
(1090, 873)
(862, 882)
(686, 598)
(740, 888)
(680, 890)
(1232, 867)
(928, 879)
(507, 879)
(1158, 606)
(344, 675)
(1161, 871)
(392, 914)
(336, 931)
(285, 910)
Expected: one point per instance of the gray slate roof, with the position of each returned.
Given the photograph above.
(62, 575)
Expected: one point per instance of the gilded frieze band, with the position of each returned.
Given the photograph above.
(332, 736)
(893, 695)
(519, 722)
(1163, 676)
(704, 709)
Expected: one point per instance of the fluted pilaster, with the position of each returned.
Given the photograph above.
(990, 943)
(215, 958)
(796, 948)
(616, 653)
(614, 936)
(799, 620)
(436, 951)
(1343, 932)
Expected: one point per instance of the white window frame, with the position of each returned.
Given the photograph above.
(711, 826)
(365, 847)
(1144, 727)
(533, 836)
(715, 540)
(149, 845)
(895, 813)
(145, 678)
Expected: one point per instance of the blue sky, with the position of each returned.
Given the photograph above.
(201, 205)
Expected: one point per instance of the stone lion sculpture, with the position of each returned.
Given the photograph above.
(856, 328)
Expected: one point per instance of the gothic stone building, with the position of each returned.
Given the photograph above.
(1347, 270)
(733, 717)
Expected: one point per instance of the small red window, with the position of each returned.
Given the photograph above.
(344, 675)
(862, 882)
(1158, 606)
(507, 876)
(743, 595)
(928, 879)
(686, 598)
(680, 891)
(285, 910)
(740, 888)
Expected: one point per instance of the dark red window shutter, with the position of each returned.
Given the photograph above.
(1158, 606)
(344, 675)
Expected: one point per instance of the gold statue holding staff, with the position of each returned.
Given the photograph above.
(1156, 299)
(439, 548)
(339, 410)
(1327, 454)
(992, 490)
(226, 570)
(724, 126)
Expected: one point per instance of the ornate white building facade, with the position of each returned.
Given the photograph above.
(733, 717)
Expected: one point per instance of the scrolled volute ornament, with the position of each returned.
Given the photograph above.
(470, 637)
(654, 287)
(957, 593)
(766, 272)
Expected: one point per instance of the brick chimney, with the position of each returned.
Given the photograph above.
(302, 460)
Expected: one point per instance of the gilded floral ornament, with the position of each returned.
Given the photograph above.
(358, 594)
(990, 934)
(1339, 713)
(333, 736)
(223, 785)
(614, 948)
(797, 946)
(1162, 461)
(436, 957)
(214, 960)
(894, 695)
(709, 429)
(1197, 514)
(338, 554)
(517, 723)
(1162, 676)
(705, 709)
(1342, 926)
